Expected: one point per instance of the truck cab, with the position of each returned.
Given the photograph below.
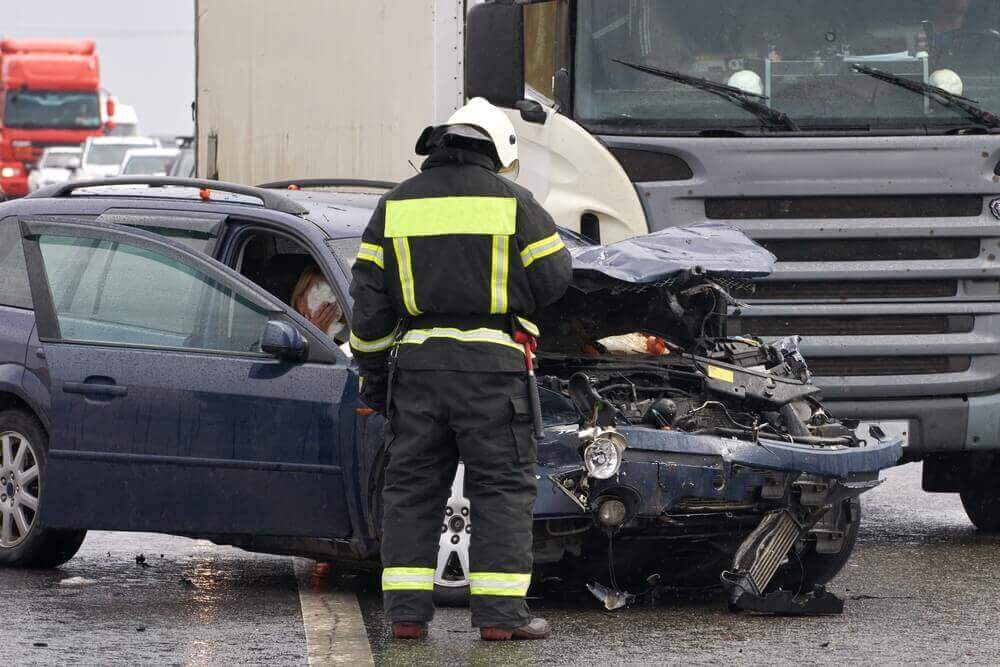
(859, 142)
(49, 96)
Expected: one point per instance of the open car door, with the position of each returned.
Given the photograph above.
(167, 414)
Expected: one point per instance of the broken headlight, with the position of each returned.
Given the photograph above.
(602, 451)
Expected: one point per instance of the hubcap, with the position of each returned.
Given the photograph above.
(20, 488)
(453, 550)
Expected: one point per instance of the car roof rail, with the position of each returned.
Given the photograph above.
(307, 183)
(269, 199)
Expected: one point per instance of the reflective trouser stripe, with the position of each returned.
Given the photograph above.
(402, 246)
(499, 583)
(408, 579)
(370, 252)
(419, 336)
(540, 249)
(498, 274)
(361, 345)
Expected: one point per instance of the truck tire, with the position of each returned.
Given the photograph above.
(981, 498)
(811, 569)
(23, 541)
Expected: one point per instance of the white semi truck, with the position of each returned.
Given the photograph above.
(858, 141)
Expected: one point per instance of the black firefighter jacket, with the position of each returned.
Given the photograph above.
(448, 259)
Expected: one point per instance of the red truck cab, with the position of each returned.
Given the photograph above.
(49, 96)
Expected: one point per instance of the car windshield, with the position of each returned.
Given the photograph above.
(184, 165)
(52, 109)
(798, 53)
(148, 164)
(106, 154)
(60, 160)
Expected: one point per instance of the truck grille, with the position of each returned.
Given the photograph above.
(861, 289)
(871, 250)
(826, 208)
(861, 366)
(863, 325)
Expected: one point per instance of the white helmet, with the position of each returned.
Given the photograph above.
(481, 121)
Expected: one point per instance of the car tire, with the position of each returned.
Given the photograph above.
(23, 458)
(810, 569)
(451, 596)
(981, 497)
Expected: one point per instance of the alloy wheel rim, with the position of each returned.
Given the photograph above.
(20, 488)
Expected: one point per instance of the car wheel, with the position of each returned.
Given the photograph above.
(806, 568)
(981, 496)
(451, 577)
(23, 542)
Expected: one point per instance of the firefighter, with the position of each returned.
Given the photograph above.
(451, 265)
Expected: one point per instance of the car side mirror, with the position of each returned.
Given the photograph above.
(284, 341)
(73, 163)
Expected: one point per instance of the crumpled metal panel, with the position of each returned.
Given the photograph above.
(715, 249)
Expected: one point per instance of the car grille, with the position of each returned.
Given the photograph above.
(863, 325)
(825, 208)
(871, 250)
(851, 290)
(861, 366)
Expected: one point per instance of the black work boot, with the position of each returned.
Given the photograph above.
(537, 628)
(409, 630)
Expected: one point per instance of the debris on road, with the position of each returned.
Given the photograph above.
(72, 582)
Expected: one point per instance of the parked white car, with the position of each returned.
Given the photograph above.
(103, 156)
(58, 164)
(148, 161)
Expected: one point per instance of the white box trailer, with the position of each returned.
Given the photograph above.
(342, 89)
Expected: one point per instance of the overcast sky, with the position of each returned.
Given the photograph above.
(146, 49)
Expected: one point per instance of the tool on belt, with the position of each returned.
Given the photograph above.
(530, 344)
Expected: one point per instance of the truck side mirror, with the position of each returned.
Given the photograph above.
(73, 163)
(284, 341)
(494, 53)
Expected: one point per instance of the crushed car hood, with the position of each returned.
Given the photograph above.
(709, 249)
(655, 283)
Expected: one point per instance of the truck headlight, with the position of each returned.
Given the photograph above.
(602, 457)
(9, 172)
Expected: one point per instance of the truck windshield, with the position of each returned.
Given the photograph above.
(798, 53)
(52, 109)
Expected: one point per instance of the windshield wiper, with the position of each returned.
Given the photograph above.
(969, 107)
(770, 117)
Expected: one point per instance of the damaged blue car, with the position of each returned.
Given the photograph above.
(156, 375)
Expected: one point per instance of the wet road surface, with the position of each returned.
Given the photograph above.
(921, 586)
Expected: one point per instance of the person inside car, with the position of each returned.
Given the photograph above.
(314, 299)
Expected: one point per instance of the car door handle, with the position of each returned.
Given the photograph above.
(94, 389)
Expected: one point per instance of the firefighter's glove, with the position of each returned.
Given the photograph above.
(374, 391)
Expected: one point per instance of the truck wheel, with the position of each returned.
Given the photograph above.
(810, 569)
(451, 577)
(23, 542)
(981, 497)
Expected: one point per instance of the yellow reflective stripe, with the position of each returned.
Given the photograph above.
(372, 253)
(437, 216)
(420, 336)
(499, 583)
(361, 345)
(498, 273)
(408, 579)
(539, 249)
(529, 326)
(402, 246)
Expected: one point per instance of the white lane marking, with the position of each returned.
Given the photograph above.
(335, 629)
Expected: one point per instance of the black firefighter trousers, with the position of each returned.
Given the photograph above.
(437, 418)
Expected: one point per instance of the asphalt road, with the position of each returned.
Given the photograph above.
(921, 586)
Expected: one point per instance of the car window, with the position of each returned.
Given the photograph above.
(110, 292)
(14, 289)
